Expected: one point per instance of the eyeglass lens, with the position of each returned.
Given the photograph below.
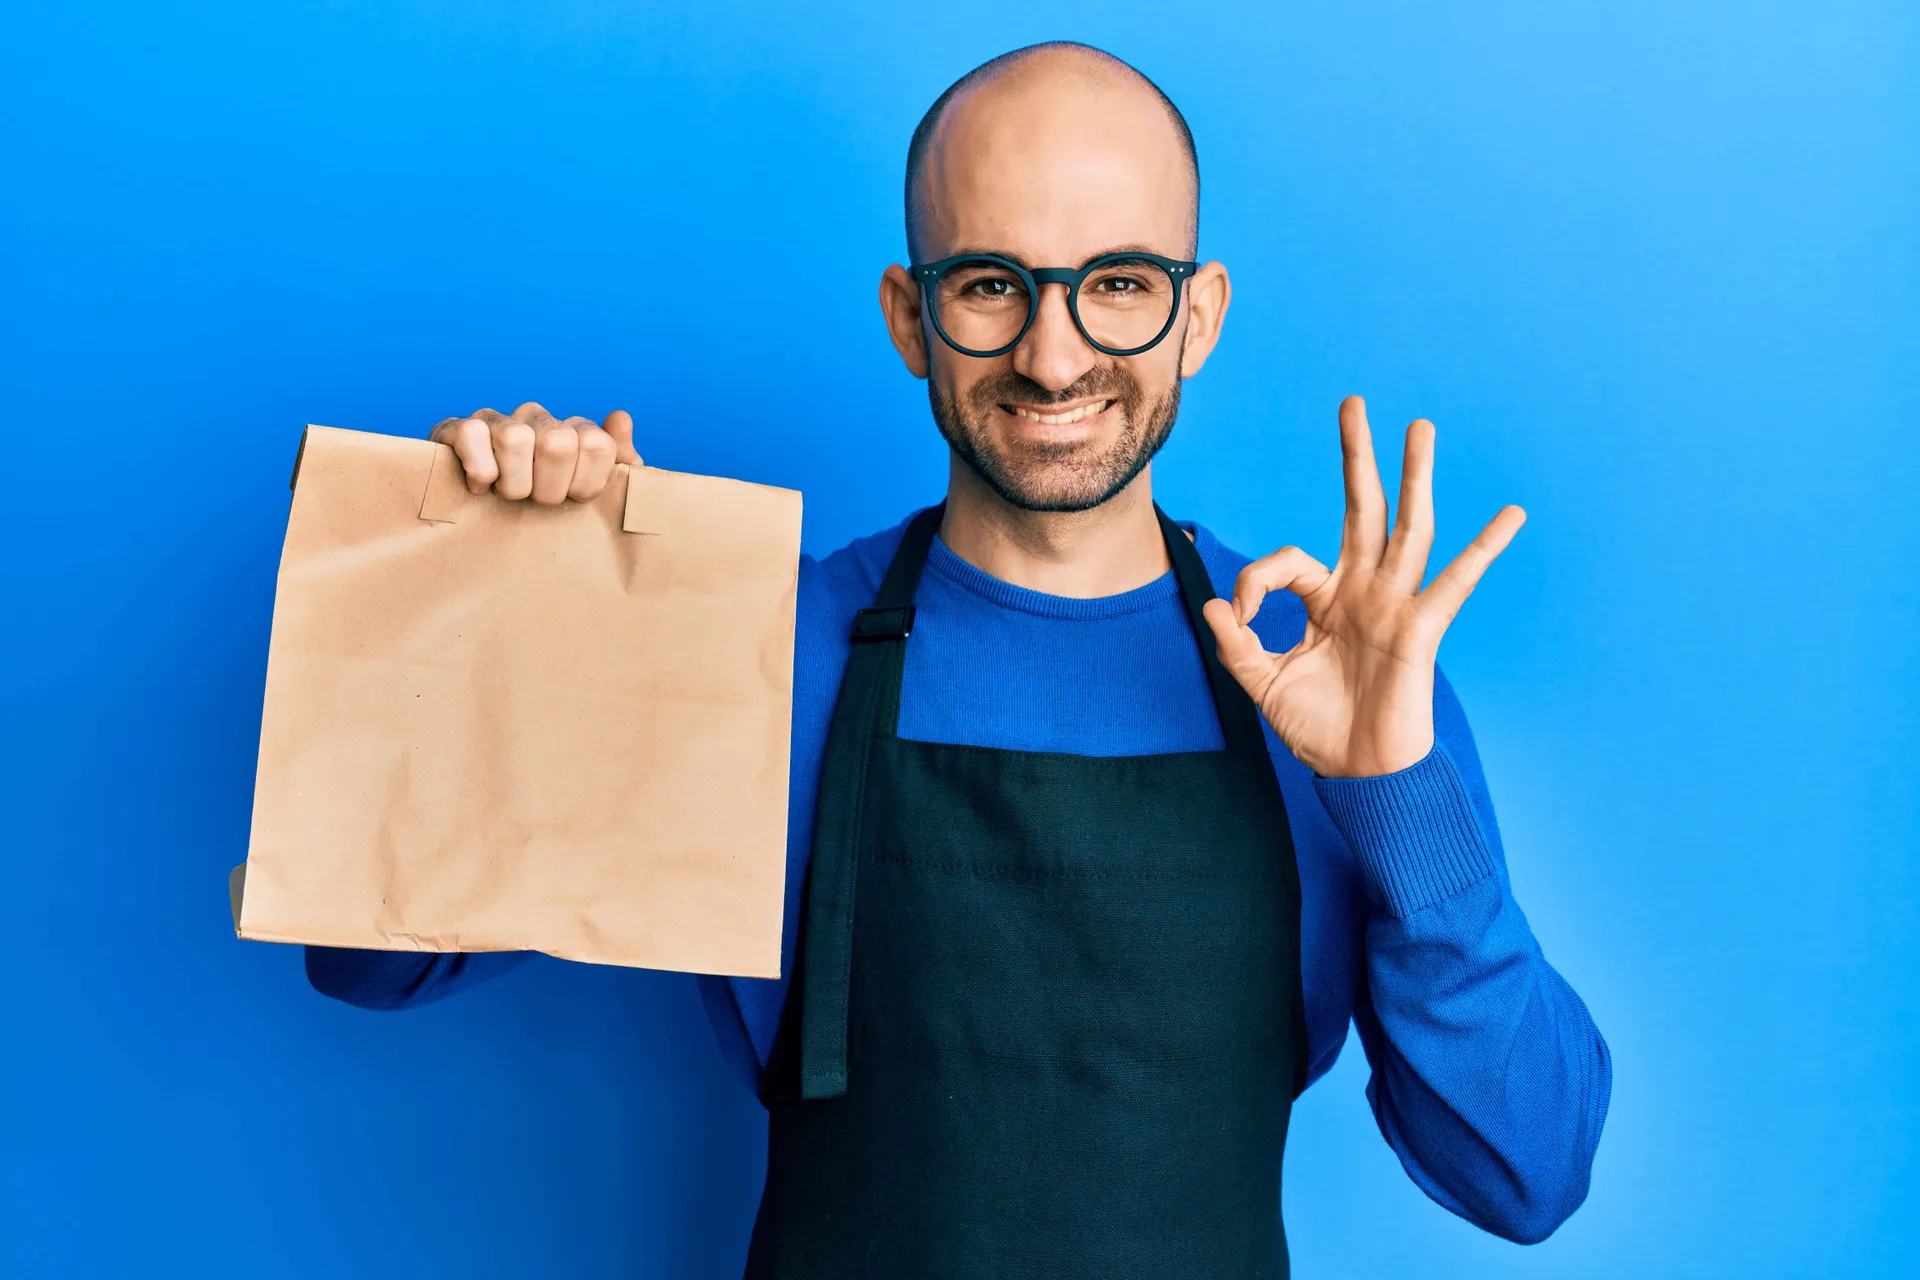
(1123, 304)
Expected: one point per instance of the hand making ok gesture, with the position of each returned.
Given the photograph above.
(1355, 697)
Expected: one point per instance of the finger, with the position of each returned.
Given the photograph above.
(513, 451)
(556, 448)
(1412, 541)
(1240, 650)
(533, 414)
(1288, 569)
(472, 443)
(591, 472)
(1365, 533)
(1450, 589)
(619, 425)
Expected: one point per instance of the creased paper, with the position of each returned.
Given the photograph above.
(493, 726)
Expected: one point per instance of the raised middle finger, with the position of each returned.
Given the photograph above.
(1412, 541)
(1364, 535)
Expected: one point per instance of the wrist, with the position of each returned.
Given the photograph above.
(1413, 832)
(1377, 761)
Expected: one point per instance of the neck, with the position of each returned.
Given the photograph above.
(1113, 548)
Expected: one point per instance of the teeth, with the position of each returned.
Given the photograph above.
(1061, 419)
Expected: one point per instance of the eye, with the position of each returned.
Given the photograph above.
(1125, 283)
(981, 285)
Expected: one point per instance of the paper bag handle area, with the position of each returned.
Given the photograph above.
(447, 493)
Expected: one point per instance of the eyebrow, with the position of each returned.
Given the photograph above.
(1135, 247)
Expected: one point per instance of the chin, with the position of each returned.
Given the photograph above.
(1053, 484)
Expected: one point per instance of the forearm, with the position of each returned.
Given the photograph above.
(1490, 1080)
(402, 979)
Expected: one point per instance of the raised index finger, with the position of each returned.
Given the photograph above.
(1364, 535)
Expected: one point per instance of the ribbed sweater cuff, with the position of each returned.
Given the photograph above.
(1414, 832)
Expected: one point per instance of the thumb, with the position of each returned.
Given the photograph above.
(619, 425)
(1241, 652)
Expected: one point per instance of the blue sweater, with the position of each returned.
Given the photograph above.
(1489, 1079)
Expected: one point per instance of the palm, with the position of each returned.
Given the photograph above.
(1355, 697)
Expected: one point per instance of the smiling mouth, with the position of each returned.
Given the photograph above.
(1061, 418)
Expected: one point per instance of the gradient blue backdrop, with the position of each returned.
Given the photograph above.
(1650, 266)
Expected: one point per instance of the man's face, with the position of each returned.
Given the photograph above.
(1053, 170)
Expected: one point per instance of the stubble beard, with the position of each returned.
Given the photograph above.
(1041, 477)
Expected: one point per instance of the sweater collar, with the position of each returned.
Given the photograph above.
(942, 563)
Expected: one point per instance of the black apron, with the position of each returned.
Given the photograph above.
(1062, 1033)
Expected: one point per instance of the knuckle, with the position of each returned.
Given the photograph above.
(595, 443)
(516, 436)
(557, 442)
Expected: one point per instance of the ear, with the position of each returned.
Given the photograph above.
(1208, 294)
(900, 304)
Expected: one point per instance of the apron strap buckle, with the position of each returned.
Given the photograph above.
(894, 623)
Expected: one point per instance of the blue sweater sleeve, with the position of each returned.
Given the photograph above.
(402, 979)
(1490, 1080)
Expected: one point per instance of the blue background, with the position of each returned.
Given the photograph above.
(1650, 266)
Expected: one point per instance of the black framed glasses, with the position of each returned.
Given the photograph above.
(982, 304)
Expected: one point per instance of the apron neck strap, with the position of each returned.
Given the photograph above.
(1239, 719)
(903, 574)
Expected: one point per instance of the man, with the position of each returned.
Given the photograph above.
(1075, 910)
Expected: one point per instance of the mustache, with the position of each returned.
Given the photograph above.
(1103, 383)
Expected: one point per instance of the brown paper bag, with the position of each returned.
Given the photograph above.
(495, 726)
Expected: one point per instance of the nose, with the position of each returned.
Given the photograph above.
(1053, 353)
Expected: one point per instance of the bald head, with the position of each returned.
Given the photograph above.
(1039, 115)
